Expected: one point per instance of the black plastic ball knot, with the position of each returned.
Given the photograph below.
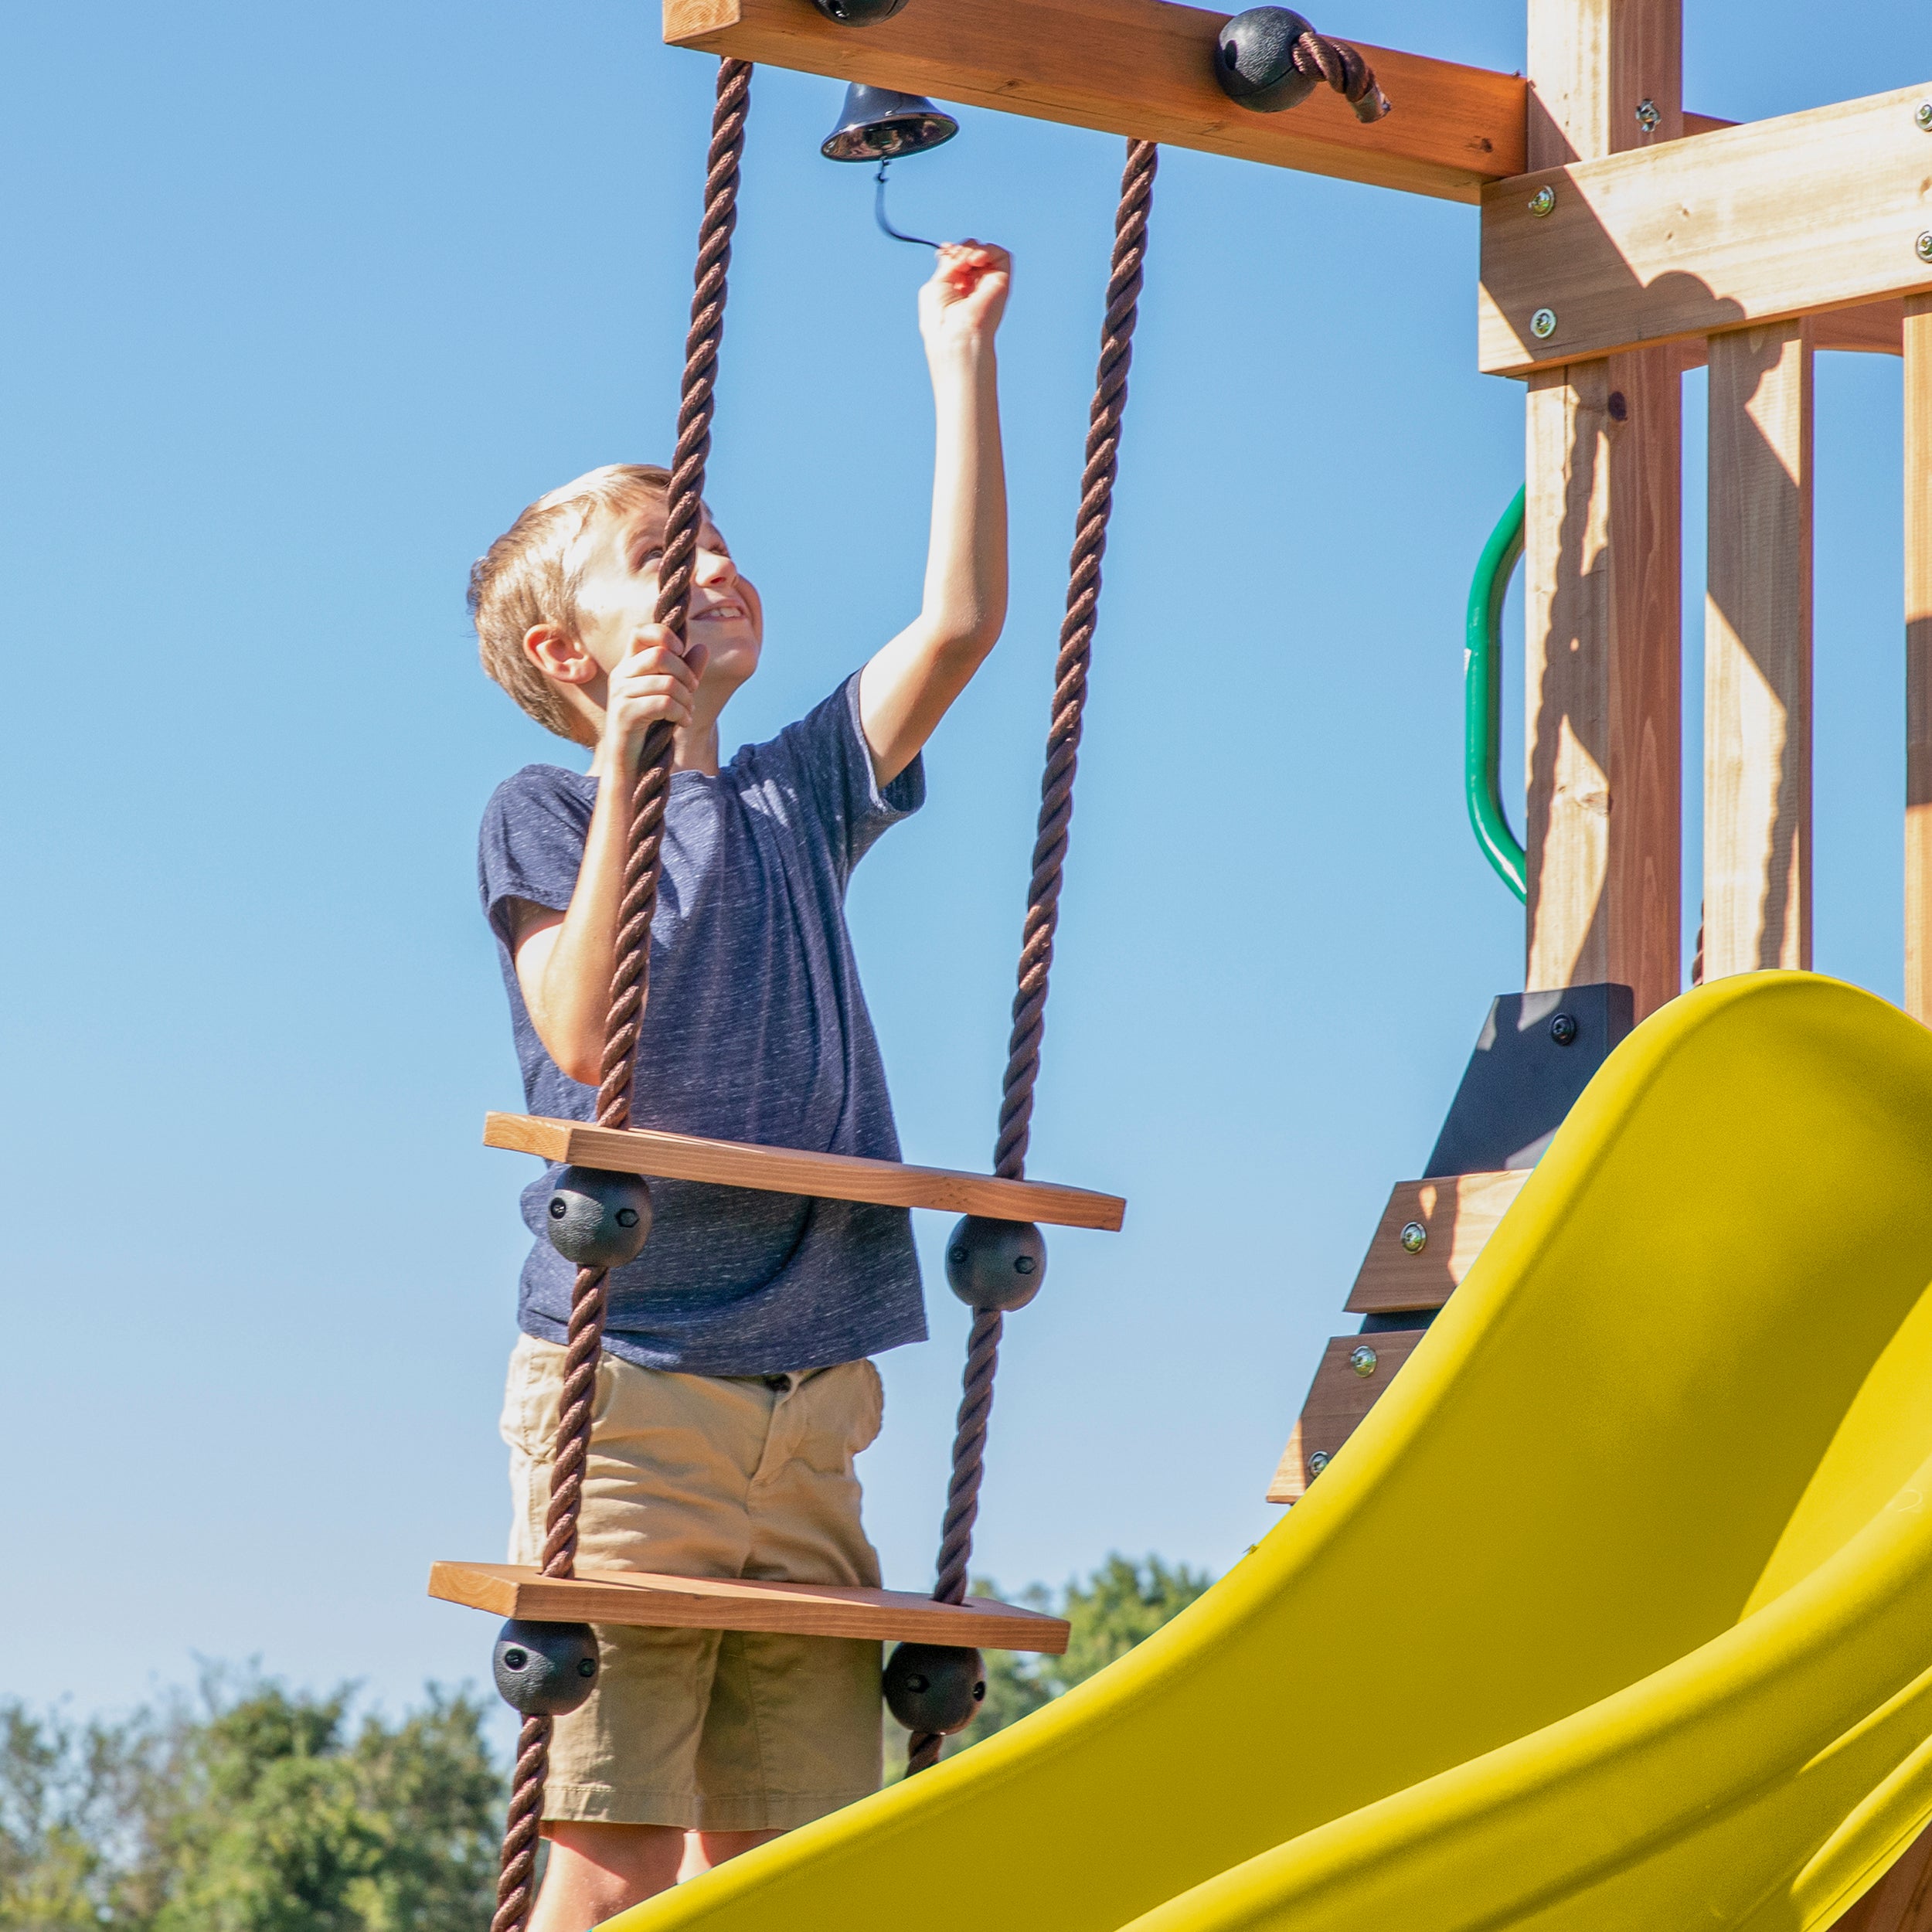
(544, 1670)
(598, 1220)
(934, 1688)
(995, 1265)
(858, 13)
(1254, 59)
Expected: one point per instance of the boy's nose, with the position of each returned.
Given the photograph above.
(714, 567)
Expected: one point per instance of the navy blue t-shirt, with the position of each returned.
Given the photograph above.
(755, 1030)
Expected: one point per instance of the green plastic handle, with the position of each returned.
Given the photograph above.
(1482, 699)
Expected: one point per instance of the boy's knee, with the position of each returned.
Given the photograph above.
(596, 1871)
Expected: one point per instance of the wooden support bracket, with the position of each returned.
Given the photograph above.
(782, 1170)
(1747, 224)
(735, 1602)
(1143, 68)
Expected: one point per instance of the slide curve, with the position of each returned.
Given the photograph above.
(1616, 1612)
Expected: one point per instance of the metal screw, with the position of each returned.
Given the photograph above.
(1562, 1029)
(1317, 1462)
(1648, 116)
(1543, 325)
(1363, 1360)
(1415, 1237)
(1924, 245)
(1924, 117)
(1543, 201)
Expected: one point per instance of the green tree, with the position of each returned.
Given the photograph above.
(257, 1809)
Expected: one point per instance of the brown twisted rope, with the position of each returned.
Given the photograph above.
(630, 977)
(1344, 70)
(1049, 855)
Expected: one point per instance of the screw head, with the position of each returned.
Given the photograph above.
(1923, 245)
(1543, 325)
(1924, 115)
(1415, 1237)
(1543, 201)
(1317, 1462)
(1363, 1360)
(1648, 116)
(1562, 1028)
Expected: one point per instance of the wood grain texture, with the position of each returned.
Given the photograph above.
(1602, 557)
(1141, 68)
(1338, 1398)
(1876, 329)
(1457, 1213)
(1757, 653)
(719, 1603)
(1748, 225)
(1918, 658)
(777, 1170)
(1602, 561)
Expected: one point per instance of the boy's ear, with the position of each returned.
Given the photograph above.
(558, 654)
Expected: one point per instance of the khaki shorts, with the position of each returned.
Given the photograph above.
(710, 1476)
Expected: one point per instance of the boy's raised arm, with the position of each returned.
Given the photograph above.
(907, 688)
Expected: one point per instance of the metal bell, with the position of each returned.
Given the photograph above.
(877, 124)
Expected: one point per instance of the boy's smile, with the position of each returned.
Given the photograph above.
(618, 557)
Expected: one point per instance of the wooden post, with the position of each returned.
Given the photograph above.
(1918, 657)
(1757, 653)
(1602, 561)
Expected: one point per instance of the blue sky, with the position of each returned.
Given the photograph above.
(302, 306)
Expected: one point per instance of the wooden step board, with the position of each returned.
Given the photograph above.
(1427, 1239)
(1455, 1214)
(778, 1170)
(731, 1602)
(1355, 1370)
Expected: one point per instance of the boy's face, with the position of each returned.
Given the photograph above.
(618, 558)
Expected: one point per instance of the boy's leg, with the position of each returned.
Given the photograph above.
(596, 1871)
(794, 1726)
(704, 1849)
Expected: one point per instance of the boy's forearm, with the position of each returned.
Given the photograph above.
(965, 604)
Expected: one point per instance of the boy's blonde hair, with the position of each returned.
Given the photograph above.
(525, 579)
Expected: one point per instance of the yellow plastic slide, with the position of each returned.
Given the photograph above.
(1617, 1612)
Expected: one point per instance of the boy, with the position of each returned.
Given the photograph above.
(735, 1388)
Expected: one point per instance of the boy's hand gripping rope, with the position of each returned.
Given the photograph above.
(1049, 856)
(515, 1890)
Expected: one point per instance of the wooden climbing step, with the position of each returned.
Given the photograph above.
(1428, 1239)
(779, 1170)
(733, 1603)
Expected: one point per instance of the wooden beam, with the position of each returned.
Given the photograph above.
(1901, 1900)
(1456, 1215)
(1918, 658)
(1758, 223)
(1601, 558)
(1757, 653)
(1876, 329)
(733, 1603)
(779, 1170)
(1143, 68)
(1339, 1396)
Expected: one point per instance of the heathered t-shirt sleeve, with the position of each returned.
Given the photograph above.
(825, 757)
(531, 842)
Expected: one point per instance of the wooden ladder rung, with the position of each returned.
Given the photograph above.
(780, 1170)
(732, 1603)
